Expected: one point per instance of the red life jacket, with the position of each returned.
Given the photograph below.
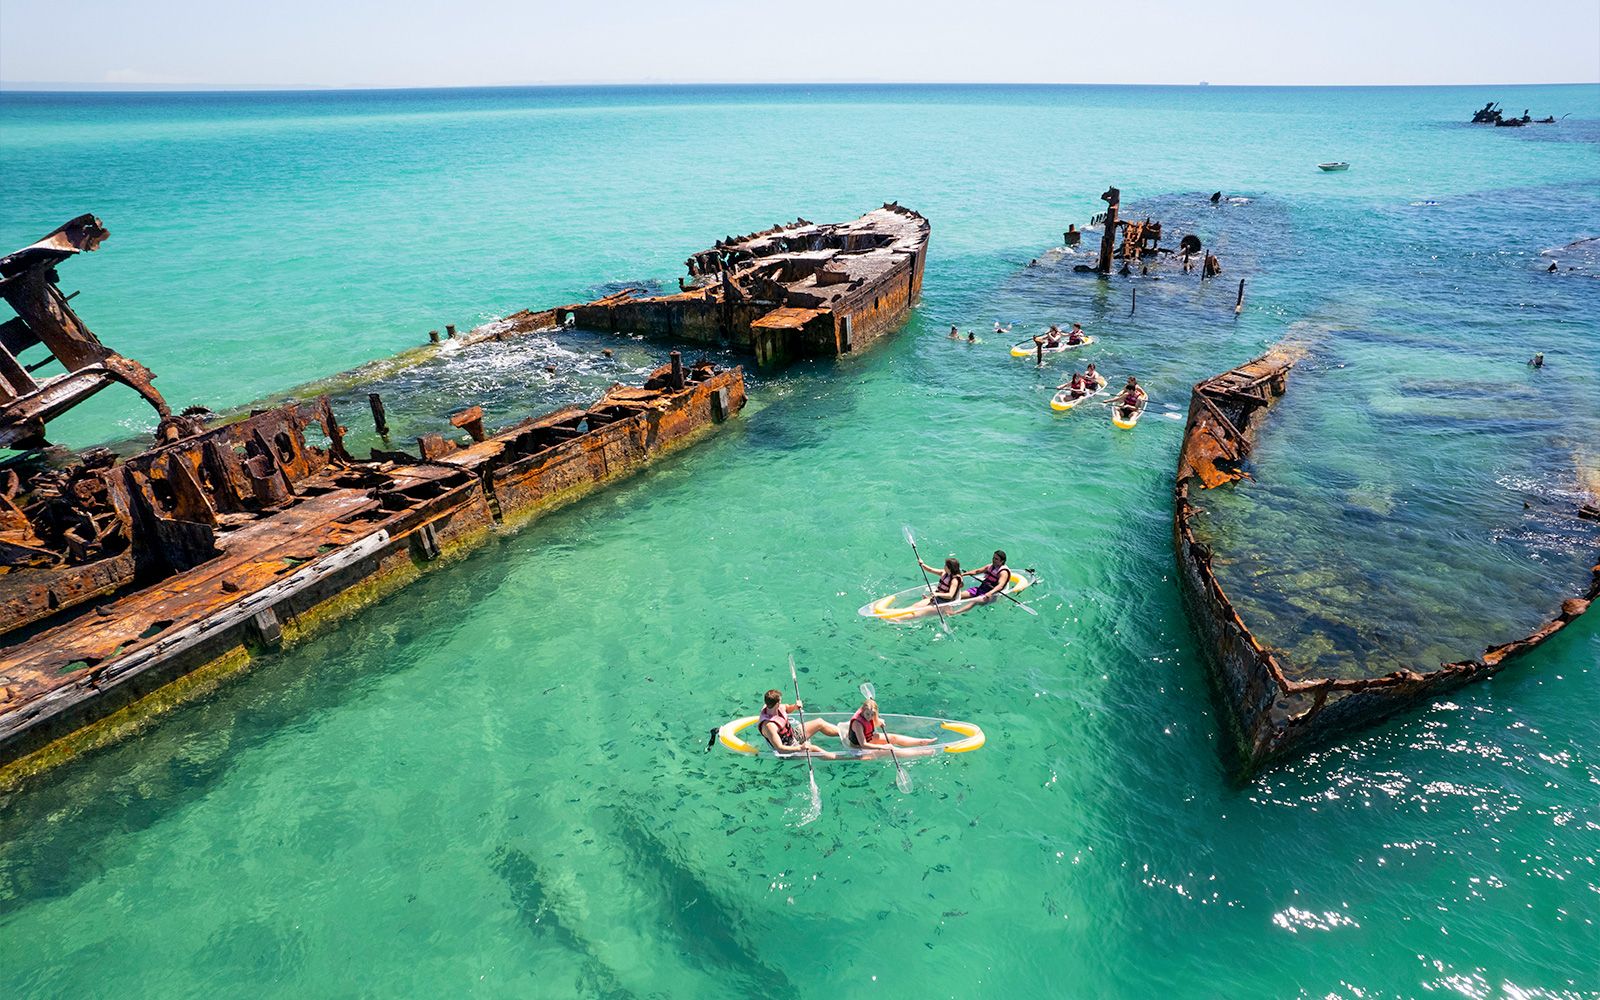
(991, 577)
(867, 728)
(785, 727)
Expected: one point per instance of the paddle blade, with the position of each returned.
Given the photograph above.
(815, 808)
(911, 539)
(902, 781)
(868, 691)
(792, 674)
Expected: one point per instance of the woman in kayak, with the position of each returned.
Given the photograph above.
(995, 576)
(1094, 378)
(1051, 338)
(1076, 387)
(1075, 337)
(787, 735)
(866, 730)
(1131, 399)
(949, 586)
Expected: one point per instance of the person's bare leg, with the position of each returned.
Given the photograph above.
(815, 726)
(910, 741)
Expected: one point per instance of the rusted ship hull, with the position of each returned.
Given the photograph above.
(798, 290)
(1269, 715)
(251, 554)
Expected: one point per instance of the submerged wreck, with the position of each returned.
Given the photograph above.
(1269, 714)
(128, 583)
(797, 290)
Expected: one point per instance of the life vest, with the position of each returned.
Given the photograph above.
(945, 580)
(1075, 337)
(991, 577)
(785, 728)
(868, 727)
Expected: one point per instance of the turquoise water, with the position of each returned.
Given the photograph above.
(494, 783)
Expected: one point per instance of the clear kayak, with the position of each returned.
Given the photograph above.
(1129, 422)
(950, 736)
(911, 605)
(1063, 400)
(1027, 348)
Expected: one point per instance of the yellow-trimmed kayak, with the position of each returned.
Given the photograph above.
(1061, 402)
(951, 736)
(1027, 348)
(1131, 422)
(906, 606)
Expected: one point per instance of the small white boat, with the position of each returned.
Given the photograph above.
(1335, 165)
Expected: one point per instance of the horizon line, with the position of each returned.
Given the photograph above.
(83, 87)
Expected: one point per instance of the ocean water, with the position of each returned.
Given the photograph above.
(495, 783)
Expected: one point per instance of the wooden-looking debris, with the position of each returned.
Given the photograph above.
(120, 577)
(797, 290)
(246, 536)
(1270, 715)
(28, 282)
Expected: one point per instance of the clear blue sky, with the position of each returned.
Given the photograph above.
(423, 43)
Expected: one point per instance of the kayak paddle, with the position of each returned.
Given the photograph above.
(805, 741)
(929, 583)
(902, 778)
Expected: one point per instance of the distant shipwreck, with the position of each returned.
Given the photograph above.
(127, 584)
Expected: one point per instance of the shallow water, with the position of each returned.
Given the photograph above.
(495, 781)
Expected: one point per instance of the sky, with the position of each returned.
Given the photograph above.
(429, 43)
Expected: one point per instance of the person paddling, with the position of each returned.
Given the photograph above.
(866, 730)
(949, 586)
(1075, 337)
(994, 576)
(1094, 378)
(1131, 399)
(1077, 386)
(787, 735)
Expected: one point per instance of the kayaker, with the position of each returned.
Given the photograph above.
(1075, 386)
(1093, 377)
(995, 576)
(1051, 337)
(866, 730)
(1075, 337)
(949, 586)
(1131, 399)
(786, 735)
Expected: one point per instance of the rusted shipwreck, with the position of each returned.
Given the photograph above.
(1269, 714)
(797, 290)
(126, 584)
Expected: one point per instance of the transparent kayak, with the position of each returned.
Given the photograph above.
(908, 605)
(1063, 401)
(951, 736)
(1027, 348)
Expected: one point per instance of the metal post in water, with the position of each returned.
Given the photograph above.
(677, 370)
(1134, 308)
(450, 330)
(380, 420)
(433, 336)
(1238, 306)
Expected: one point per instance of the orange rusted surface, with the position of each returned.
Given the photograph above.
(249, 532)
(796, 290)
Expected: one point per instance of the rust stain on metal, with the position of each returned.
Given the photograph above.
(29, 283)
(1269, 714)
(121, 576)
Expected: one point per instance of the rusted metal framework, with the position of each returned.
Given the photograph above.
(29, 283)
(125, 580)
(1139, 242)
(793, 291)
(1270, 714)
